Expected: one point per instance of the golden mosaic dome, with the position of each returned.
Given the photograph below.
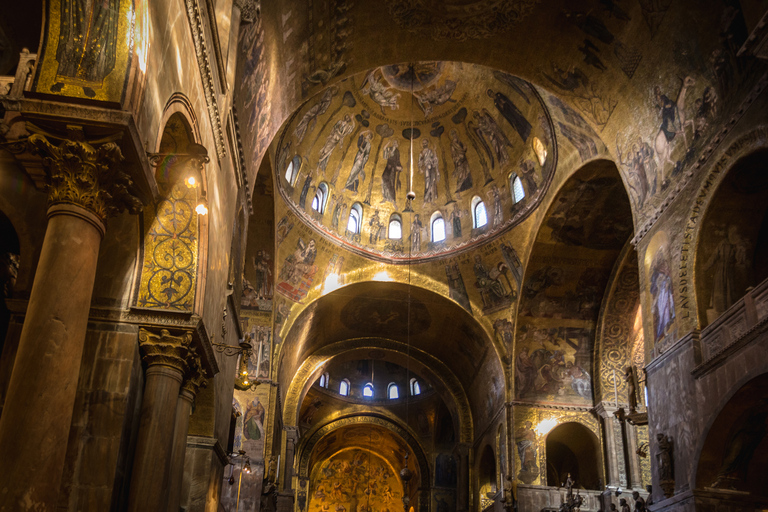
(475, 145)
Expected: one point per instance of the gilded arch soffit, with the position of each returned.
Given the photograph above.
(313, 364)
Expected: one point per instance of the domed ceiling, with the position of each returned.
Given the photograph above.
(472, 130)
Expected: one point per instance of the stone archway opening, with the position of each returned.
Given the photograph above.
(573, 450)
(734, 456)
(732, 252)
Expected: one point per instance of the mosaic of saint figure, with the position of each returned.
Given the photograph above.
(511, 113)
(390, 178)
(341, 129)
(429, 167)
(309, 119)
(461, 166)
(492, 133)
(357, 173)
(661, 291)
(87, 47)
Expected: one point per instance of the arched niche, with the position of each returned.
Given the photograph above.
(487, 477)
(732, 252)
(173, 233)
(571, 448)
(734, 455)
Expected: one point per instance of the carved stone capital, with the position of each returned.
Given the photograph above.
(86, 176)
(165, 349)
(195, 374)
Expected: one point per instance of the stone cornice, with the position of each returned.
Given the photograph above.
(209, 443)
(206, 73)
(95, 119)
(704, 156)
(664, 352)
(554, 407)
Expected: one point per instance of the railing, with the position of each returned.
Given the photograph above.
(14, 86)
(535, 498)
(735, 325)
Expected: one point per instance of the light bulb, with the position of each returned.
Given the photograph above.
(201, 209)
(191, 182)
(245, 383)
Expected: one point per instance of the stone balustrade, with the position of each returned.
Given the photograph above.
(734, 326)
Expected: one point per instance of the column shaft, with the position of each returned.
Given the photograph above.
(43, 385)
(179, 449)
(149, 479)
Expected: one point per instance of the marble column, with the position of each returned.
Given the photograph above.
(84, 188)
(165, 356)
(193, 379)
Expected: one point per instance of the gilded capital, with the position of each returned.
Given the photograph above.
(195, 374)
(86, 176)
(165, 349)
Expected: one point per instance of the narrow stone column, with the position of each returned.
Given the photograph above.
(614, 446)
(165, 356)
(291, 440)
(635, 473)
(85, 188)
(462, 494)
(193, 379)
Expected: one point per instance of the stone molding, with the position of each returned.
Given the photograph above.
(86, 176)
(209, 443)
(165, 349)
(662, 352)
(206, 74)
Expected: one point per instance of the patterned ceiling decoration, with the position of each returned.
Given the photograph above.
(473, 130)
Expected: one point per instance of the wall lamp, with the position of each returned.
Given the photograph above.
(187, 166)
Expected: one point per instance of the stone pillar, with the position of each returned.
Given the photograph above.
(614, 446)
(291, 440)
(193, 379)
(635, 473)
(85, 188)
(462, 491)
(165, 356)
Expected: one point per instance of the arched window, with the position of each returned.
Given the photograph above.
(368, 390)
(324, 380)
(415, 387)
(392, 391)
(395, 231)
(355, 218)
(321, 198)
(479, 214)
(438, 227)
(344, 388)
(292, 171)
(516, 188)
